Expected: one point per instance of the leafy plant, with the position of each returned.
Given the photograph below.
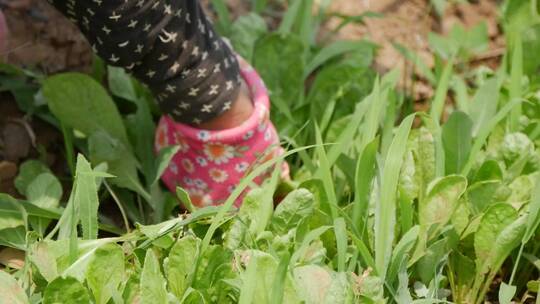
(385, 206)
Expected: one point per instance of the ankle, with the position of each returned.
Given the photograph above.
(241, 110)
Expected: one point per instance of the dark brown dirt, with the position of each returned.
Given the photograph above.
(23, 138)
(42, 38)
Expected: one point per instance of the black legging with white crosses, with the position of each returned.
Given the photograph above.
(170, 45)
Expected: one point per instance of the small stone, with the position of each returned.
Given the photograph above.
(8, 170)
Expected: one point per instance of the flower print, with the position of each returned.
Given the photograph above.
(241, 167)
(267, 134)
(162, 140)
(173, 168)
(231, 188)
(201, 161)
(199, 198)
(187, 165)
(188, 181)
(262, 127)
(181, 142)
(219, 176)
(248, 135)
(219, 153)
(203, 135)
(199, 183)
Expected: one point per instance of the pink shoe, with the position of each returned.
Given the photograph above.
(210, 164)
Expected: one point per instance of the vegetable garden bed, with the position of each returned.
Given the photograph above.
(386, 205)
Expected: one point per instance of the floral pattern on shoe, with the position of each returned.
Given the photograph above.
(210, 164)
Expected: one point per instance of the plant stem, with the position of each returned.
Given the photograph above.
(120, 207)
(68, 145)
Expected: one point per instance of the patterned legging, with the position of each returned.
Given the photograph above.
(170, 45)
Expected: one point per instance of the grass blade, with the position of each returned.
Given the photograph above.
(86, 198)
(249, 282)
(365, 172)
(437, 105)
(341, 240)
(223, 14)
(279, 280)
(516, 74)
(484, 133)
(290, 16)
(336, 49)
(385, 214)
(325, 174)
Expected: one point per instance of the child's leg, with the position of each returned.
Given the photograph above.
(169, 45)
(172, 47)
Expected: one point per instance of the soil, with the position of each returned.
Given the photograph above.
(43, 39)
(408, 22)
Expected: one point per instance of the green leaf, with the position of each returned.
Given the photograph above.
(86, 198)
(11, 291)
(341, 242)
(495, 219)
(402, 251)
(316, 284)
(183, 196)
(501, 247)
(516, 76)
(437, 105)
(506, 293)
(256, 209)
(103, 148)
(28, 172)
(364, 175)
(361, 48)
(385, 214)
(10, 213)
(457, 141)
(105, 271)
(428, 266)
(279, 60)
(44, 260)
(533, 260)
(222, 11)
(163, 159)
(65, 290)
(296, 206)
(281, 277)
(482, 195)
(531, 60)
(245, 31)
(484, 105)
(441, 200)
(153, 285)
(266, 271)
(488, 171)
(533, 218)
(83, 104)
(180, 264)
(13, 237)
(141, 130)
(214, 268)
(424, 156)
(249, 283)
(463, 268)
(44, 191)
(120, 83)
